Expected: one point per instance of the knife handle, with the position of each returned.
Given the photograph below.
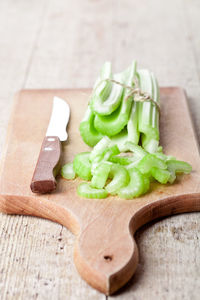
(47, 166)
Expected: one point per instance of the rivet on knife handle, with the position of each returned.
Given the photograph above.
(43, 180)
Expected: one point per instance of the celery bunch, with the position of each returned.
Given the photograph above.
(111, 112)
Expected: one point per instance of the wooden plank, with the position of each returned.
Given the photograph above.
(190, 15)
(20, 23)
(36, 261)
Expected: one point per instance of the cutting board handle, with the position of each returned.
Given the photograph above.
(47, 166)
(106, 254)
(104, 259)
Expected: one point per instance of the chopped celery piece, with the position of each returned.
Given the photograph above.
(104, 156)
(136, 186)
(122, 160)
(85, 190)
(148, 117)
(113, 150)
(120, 178)
(100, 175)
(103, 88)
(115, 122)
(89, 134)
(137, 150)
(67, 171)
(148, 162)
(163, 156)
(134, 163)
(105, 106)
(177, 166)
(146, 181)
(100, 147)
(82, 165)
(160, 175)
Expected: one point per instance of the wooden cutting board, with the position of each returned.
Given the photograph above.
(105, 252)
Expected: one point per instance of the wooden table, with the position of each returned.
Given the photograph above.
(60, 44)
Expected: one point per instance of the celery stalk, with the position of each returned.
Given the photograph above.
(115, 122)
(105, 106)
(132, 126)
(130, 132)
(148, 113)
(89, 134)
(103, 88)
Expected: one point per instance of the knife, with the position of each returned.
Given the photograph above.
(48, 163)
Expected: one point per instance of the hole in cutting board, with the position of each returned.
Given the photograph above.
(107, 258)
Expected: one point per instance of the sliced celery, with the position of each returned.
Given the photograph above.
(104, 156)
(134, 163)
(146, 180)
(105, 106)
(89, 134)
(163, 156)
(148, 162)
(67, 171)
(100, 147)
(115, 122)
(120, 178)
(100, 175)
(122, 160)
(148, 113)
(137, 150)
(160, 175)
(85, 190)
(82, 165)
(176, 167)
(136, 187)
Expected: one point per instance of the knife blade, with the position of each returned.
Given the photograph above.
(47, 167)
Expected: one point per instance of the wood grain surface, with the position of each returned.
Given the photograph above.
(51, 44)
(105, 252)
